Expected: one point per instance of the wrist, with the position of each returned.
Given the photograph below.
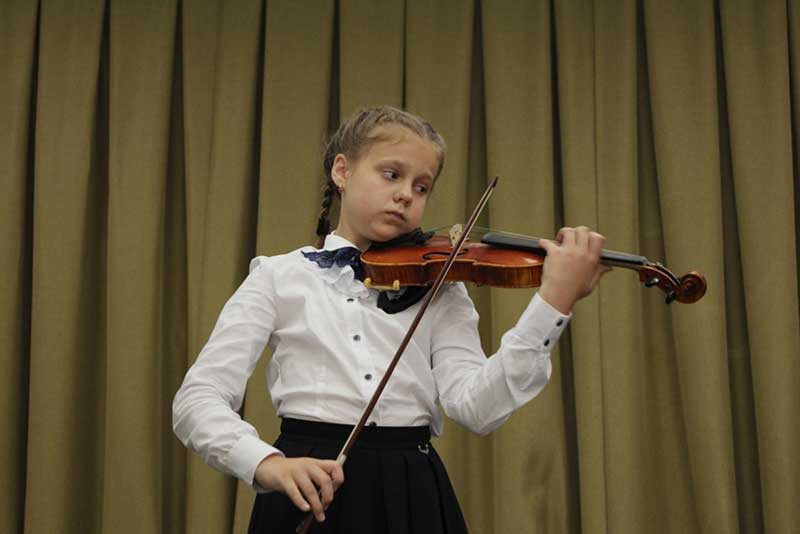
(263, 470)
(562, 301)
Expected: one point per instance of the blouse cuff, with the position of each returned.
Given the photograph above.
(541, 325)
(244, 457)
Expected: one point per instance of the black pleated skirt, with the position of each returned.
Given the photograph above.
(395, 483)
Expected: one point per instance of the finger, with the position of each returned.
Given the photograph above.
(323, 481)
(582, 237)
(338, 476)
(548, 245)
(334, 469)
(598, 274)
(293, 492)
(566, 236)
(596, 243)
(310, 493)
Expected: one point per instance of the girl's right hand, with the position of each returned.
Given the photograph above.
(303, 480)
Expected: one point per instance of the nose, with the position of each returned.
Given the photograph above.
(403, 194)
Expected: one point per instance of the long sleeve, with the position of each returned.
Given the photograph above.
(481, 393)
(204, 411)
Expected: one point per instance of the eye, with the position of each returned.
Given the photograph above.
(389, 174)
(423, 189)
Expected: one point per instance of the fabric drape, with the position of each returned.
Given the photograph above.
(149, 149)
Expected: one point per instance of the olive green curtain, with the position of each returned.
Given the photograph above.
(149, 149)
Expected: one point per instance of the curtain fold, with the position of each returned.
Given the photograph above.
(18, 53)
(684, 105)
(150, 149)
(760, 120)
(66, 431)
(141, 72)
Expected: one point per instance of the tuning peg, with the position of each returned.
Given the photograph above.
(671, 296)
(652, 282)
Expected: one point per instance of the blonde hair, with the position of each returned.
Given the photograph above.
(356, 134)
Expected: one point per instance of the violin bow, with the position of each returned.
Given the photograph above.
(305, 524)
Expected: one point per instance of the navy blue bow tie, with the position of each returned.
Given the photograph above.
(343, 256)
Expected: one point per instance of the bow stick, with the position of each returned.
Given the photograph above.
(303, 527)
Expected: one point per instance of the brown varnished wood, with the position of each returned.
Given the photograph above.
(478, 263)
(509, 266)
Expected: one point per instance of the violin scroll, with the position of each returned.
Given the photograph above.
(687, 289)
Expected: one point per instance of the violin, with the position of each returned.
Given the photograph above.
(504, 260)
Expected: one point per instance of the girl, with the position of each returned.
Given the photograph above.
(331, 343)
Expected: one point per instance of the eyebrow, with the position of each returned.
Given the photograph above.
(398, 163)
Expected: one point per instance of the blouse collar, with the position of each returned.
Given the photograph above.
(334, 242)
(341, 278)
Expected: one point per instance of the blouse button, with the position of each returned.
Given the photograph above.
(373, 423)
(350, 299)
(356, 337)
(559, 322)
(367, 376)
(546, 342)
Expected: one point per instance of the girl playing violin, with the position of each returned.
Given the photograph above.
(331, 343)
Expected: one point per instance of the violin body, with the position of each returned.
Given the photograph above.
(482, 264)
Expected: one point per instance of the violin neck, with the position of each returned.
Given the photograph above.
(607, 257)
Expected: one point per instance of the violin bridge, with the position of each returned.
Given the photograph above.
(455, 234)
(394, 287)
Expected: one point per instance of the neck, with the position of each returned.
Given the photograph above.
(607, 257)
(362, 243)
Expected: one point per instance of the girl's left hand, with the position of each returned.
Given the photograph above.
(572, 267)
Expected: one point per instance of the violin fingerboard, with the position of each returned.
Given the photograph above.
(608, 257)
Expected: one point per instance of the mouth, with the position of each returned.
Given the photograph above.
(396, 215)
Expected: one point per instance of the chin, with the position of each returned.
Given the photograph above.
(385, 234)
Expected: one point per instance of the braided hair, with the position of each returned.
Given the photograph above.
(353, 136)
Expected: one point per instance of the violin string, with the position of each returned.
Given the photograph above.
(624, 258)
(481, 230)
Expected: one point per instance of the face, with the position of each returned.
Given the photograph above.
(386, 188)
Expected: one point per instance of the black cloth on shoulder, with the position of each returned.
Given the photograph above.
(397, 301)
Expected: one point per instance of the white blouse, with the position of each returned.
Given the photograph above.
(331, 345)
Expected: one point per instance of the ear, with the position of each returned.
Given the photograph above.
(339, 170)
